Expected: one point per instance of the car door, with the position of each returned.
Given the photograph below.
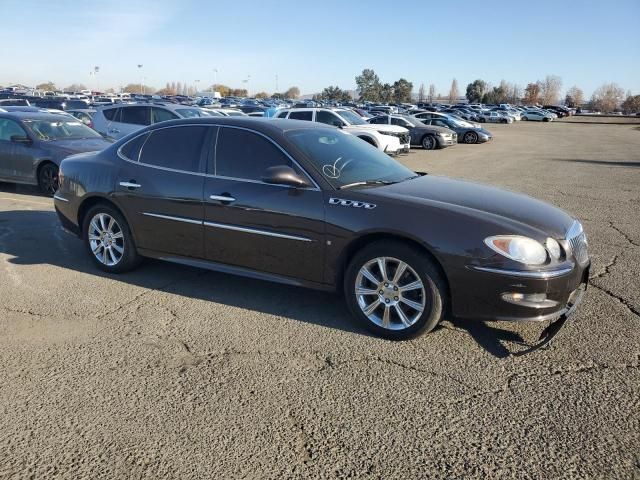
(16, 158)
(252, 224)
(159, 187)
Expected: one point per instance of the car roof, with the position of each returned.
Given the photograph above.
(259, 124)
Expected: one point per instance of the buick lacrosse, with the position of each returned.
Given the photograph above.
(311, 205)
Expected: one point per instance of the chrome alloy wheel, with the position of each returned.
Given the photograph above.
(390, 293)
(106, 239)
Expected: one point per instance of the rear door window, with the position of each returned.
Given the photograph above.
(136, 115)
(177, 148)
(301, 116)
(111, 114)
(161, 115)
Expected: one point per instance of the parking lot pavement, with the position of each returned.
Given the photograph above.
(170, 371)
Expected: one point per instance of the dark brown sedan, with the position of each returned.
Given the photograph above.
(311, 205)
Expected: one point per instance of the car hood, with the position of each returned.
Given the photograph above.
(64, 148)
(514, 207)
(434, 128)
(381, 127)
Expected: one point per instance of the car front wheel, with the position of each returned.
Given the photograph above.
(470, 137)
(108, 240)
(394, 290)
(429, 142)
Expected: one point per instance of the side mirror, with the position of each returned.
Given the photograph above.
(21, 139)
(338, 123)
(284, 175)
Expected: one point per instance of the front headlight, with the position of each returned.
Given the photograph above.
(553, 247)
(521, 249)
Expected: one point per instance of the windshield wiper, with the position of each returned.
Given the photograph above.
(366, 182)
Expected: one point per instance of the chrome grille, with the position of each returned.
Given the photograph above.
(578, 241)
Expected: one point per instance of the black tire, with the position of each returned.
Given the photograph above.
(129, 258)
(429, 142)
(504, 120)
(524, 118)
(48, 179)
(470, 137)
(482, 120)
(545, 119)
(434, 289)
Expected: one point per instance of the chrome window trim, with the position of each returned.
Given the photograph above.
(257, 231)
(204, 174)
(169, 217)
(542, 275)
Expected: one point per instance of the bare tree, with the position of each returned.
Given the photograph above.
(607, 98)
(574, 98)
(551, 86)
(432, 93)
(421, 93)
(453, 92)
(532, 93)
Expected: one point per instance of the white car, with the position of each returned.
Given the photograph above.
(391, 139)
(537, 116)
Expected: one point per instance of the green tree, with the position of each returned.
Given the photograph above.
(49, 86)
(75, 87)
(335, 94)
(497, 95)
(369, 86)
(631, 104)
(292, 92)
(402, 91)
(476, 90)
(386, 93)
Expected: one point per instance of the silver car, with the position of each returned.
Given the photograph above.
(119, 120)
(537, 116)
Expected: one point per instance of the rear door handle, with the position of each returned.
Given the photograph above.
(131, 184)
(114, 130)
(222, 198)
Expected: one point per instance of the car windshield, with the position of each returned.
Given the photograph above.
(60, 129)
(191, 112)
(345, 160)
(412, 120)
(351, 118)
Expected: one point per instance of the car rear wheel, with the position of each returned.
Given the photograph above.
(504, 120)
(48, 179)
(470, 137)
(108, 240)
(546, 119)
(429, 142)
(394, 290)
(524, 118)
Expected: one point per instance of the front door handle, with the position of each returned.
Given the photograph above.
(114, 130)
(131, 184)
(225, 197)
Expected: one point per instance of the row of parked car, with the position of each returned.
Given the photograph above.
(33, 140)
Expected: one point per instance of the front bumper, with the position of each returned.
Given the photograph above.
(479, 294)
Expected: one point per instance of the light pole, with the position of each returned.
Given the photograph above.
(197, 86)
(215, 79)
(247, 82)
(96, 69)
(276, 83)
(140, 70)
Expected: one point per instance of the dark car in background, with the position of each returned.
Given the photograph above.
(428, 137)
(52, 103)
(33, 143)
(307, 204)
(466, 132)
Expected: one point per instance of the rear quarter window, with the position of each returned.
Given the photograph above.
(131, 149)
(110, 113)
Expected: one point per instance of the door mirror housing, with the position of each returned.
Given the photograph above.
(21, 139)
(284, 175)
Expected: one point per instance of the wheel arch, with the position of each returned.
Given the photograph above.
(362, 241)
(91, 202)
(369, 139)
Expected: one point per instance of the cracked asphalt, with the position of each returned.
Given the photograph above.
(174, 372)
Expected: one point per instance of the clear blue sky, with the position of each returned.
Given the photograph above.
(316, 44)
